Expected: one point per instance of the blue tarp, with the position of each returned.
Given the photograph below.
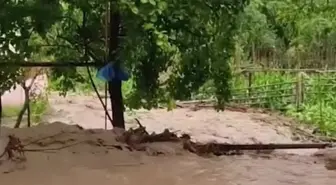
(109, 73)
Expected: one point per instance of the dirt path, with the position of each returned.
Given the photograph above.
(87, 163)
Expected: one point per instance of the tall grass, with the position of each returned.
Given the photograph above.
(39, 108)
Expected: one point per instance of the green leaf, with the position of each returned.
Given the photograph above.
(162, 5)
(148, 26)
(153, 2)
(153, 18)
(135, 10)
(159, 43)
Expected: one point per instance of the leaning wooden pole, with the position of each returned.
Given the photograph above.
(226, 149)
(115, 85)
(272, 146)
(0, 112)
(107, 22)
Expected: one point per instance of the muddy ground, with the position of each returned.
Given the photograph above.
(88, 162)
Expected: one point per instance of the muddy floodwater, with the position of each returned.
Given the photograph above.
(68, 169)
(89, 163)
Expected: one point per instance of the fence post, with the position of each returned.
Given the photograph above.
(299, 90)
(252, 61)
(0, 112)
(249, 89)
(320, 99)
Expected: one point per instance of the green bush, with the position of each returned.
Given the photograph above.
(38, 108)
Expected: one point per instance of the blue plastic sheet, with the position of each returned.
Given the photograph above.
(109, 73)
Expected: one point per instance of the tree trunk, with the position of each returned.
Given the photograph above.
(24, 108)
(28, 107)
(0, 110)
(115, 86)
(117, 104)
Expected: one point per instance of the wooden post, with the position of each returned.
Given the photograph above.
(0, 112)
(107, 22)
(250, 78)
(299, 83)
(115, 86)
(320, 98)
(299, 91)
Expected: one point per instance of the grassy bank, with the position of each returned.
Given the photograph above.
(38, 109)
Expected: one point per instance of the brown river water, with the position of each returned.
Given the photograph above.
(88, 165)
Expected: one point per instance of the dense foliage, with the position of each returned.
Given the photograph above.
(186, 43)
(289, 34)
(178, 49)
(193, 39)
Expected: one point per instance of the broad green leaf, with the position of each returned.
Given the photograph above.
(153, 2)
(148, 26)
(135, 10)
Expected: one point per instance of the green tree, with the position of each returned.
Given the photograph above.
(290, 29)
(21, 22)
(185, 43)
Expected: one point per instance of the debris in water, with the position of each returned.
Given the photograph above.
(12, 147)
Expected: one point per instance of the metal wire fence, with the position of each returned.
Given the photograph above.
(307, 94)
